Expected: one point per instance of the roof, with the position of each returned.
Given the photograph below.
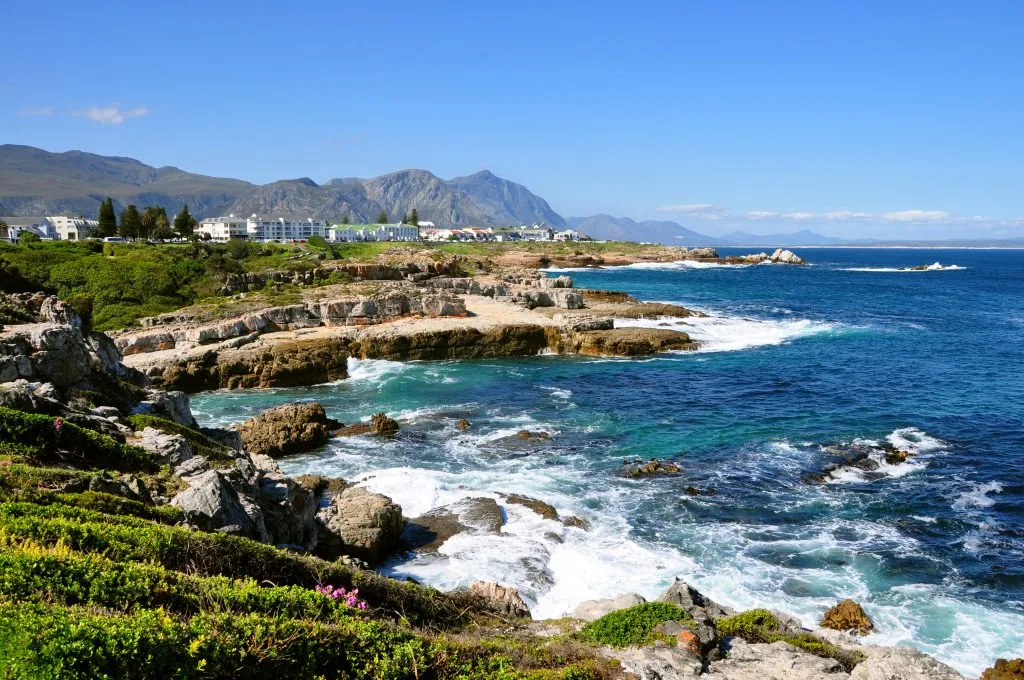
(23, 220)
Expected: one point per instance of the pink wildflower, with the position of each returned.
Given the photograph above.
(58, 424)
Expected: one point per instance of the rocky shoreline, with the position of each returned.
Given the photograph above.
(227, 481)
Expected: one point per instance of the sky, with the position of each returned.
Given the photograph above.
(856, 119)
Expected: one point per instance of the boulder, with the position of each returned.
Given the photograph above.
(289, 510)
(543, 509)
(786, 257)
(901, 663)
(287, 429)
(211, 503)
(504, 599)
(639, 469)
(847, 615)
(169, 404)
(379, 423)
(1004, 669)
(168, 449)
(691, 600)
(359, 523)
(431, 529)
(746, 661)
(592, 610)
(660, 662)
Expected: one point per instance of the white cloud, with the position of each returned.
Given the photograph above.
(37, 111)
(799, 216)
(702, 211)
(761, 215)
(916, 216)
(111, 115)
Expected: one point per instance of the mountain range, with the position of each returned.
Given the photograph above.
(36, 182)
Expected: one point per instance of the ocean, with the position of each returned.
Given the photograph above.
(799, 367)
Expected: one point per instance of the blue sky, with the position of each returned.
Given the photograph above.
(856, 119)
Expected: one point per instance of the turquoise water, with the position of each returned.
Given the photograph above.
(846, 351)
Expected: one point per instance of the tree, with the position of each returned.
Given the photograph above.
(414, 218)
(346, 219)
(184, 223)
(131, 222)
(108, 221)
(27, 236)
(155, 223)
(382, 218)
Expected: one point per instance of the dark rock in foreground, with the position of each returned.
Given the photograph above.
(287, 429)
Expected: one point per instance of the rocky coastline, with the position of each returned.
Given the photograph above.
(130, 394)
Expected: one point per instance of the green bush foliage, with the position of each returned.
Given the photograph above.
(49, 440)
(632, 626)
(760, 625)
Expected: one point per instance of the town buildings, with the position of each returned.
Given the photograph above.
(52, 227)
(257, 228)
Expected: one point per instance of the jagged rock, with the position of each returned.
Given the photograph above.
(360, 523)
(1005, 669)
(847, 615)
(690, 599)
(576, 522)
(431, 529)
(286, 364)
(660, 662)
(653, 310)
(776, 661)
(169, 404)
(289, 510)
(504, 599)
(592, 610)
(167, 448)
(30, 397)
(135, 489)
(287, 429)
(630, 342)
(454, 343)
(901, 663)
(463, 425)
(190, 467)
(211, 503)
(545, 510)
(640, 469)
(379, 423)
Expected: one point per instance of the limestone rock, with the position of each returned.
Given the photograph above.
(639, 469)
(786, 257)
(629, 342)
(504, 599)
(289, 510)
(693, 602)
(847, 615)
(776, 661)
(167, 448)
(901, 663)
(545, 510)
(592, 610)
(169, 404)
(660, 662)
(287, 429)
(211, 503)
(360, 523)
(1004, 669)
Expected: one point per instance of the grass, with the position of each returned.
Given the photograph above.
(633, 626)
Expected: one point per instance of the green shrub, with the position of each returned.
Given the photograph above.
(761, 626)
(52, 440)
(46, 641)
(632, 626)
(121, 539)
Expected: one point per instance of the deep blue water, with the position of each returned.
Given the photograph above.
(794, 360)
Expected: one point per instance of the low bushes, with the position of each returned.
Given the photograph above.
(760, 625)
(201, 445)
(633, 626)
(48, 440)
(121, 538)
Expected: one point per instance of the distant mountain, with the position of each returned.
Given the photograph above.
(34, 181)
(606, 227)
(507, 202)
(797, 238)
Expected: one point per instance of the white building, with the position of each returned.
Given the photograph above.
(396, 232)
(72, 228)
(568, 235)
(423, 224)
(38, 225)
(536, 233)
(285, 228)
(341, 233)
(223, 228)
